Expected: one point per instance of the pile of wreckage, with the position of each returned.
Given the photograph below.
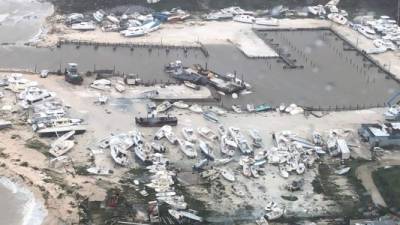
(384, 32)
(122, 145)
(330, 11)
(270, 17)
(293, 154)
(259, 17)
(129, 25)
(162, 181)
(47, 115)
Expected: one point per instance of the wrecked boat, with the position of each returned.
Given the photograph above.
(228, 146)
(119, 148)
(62, 145)
(196, 108)
(188, 148)
(180, 105)
(207, 133)
(207, 150)
(210, 116)
(189, 135)
(163, 107)
(228, 175)
(156, 121)
(241, 142)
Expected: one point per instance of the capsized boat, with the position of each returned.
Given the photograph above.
(206, 149)
(211, 116)
(200, 164)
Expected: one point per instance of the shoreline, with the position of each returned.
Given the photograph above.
(33, 211)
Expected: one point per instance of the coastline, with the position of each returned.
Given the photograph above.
(33, 211)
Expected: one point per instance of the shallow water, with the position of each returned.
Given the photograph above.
(21, 20)
(11, 208)
(18, 205)
(331, 76)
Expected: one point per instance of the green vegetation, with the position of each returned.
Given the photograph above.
(351, 207)
(37, 145)
(388, 182)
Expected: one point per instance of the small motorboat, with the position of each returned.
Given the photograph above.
(62, 145)
(228, 146)
(189, 135)
(228, 175)
(237, 108)
(207, 133)
(163, 107)
(244, 19)
(180, 105)
(196, 108)
(188, 148)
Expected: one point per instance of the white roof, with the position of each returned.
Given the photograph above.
(378, 132)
